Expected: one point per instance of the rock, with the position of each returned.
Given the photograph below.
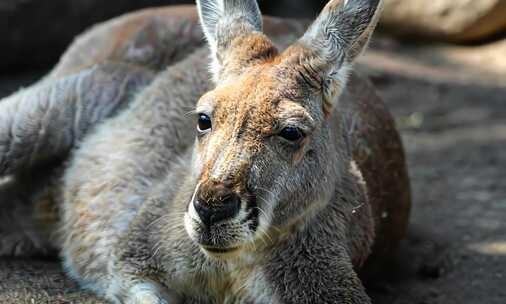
(476, 65)
(449, 20)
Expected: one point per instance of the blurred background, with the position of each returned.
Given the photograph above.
(35, 32)
(439, 65)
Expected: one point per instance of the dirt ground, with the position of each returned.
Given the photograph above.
(450, 105)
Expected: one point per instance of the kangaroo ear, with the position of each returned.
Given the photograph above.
(224, 21)
(334, 41)
(218, 16)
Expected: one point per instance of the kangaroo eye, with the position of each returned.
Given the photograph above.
(292, 134)
(204, 123)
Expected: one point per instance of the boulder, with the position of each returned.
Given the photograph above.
(448, 20)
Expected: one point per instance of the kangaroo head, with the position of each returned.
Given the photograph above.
(266, 153)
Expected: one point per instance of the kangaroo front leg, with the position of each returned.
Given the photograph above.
(312, 275)
(147, 292)
(44, 122)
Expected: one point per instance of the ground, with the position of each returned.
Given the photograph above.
(450, 106)
(452, 116)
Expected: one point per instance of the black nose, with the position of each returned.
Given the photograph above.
(217, 210)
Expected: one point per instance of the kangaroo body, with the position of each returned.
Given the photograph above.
(138, 188)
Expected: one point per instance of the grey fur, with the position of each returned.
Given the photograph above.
(336, 38)
(341, 33)
(220, 15)
(222, 22)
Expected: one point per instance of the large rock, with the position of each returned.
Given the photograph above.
(451, 20)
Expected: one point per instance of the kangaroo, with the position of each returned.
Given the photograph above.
(271, 177)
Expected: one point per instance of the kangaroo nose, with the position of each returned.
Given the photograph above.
(216, 210)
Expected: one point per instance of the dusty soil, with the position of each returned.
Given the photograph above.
(450, 105)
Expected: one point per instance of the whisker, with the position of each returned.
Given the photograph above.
(267, 190)
(165, 217)
(190, 113)
(265, 214)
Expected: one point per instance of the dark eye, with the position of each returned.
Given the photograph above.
(292, 134)
(204, 123)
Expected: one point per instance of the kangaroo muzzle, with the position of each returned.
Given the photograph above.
(216, 205)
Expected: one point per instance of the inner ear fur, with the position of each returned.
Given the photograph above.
(233, 29)
(327, 51)
(245, 51)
